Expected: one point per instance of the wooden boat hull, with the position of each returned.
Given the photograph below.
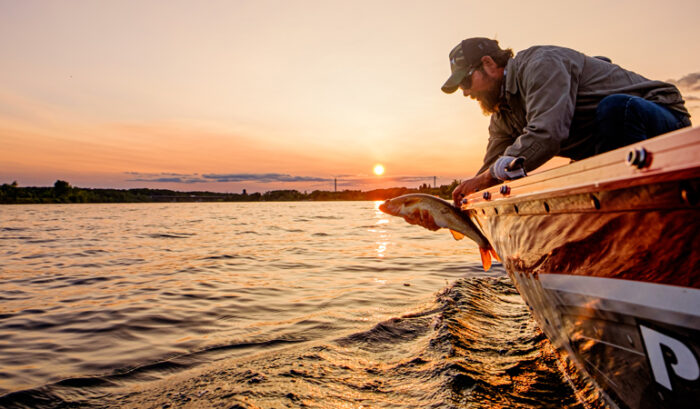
(607, 256)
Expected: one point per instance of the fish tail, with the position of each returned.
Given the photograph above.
(485, 258)
(495, 255)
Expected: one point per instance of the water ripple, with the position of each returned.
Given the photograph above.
(100, 302)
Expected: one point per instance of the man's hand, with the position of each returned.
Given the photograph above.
(422, 219)
(481, 181)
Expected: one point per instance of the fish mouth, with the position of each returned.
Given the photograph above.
(384, 207)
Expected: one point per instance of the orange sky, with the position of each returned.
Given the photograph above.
(263, 95)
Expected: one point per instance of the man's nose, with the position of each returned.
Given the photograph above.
(465, 92)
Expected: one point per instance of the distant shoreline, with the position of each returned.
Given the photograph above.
(63, 192)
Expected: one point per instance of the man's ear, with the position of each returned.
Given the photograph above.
(489, 64)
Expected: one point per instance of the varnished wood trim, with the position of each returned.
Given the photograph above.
(674, 156)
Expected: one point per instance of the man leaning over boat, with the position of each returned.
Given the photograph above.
(551, 101)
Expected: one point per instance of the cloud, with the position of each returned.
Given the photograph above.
(352, 181)
(410, 179)
(142, 174)
(168, 180)
(689, 82)
(262, 178)
(226, 177)
(165, 177)
(691, 98)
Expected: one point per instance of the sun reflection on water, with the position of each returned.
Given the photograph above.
(104, 286)
(381, 234)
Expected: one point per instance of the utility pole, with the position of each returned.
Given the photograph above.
(335, 185)
(434, 181)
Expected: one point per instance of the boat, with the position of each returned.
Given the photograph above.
(606, 253)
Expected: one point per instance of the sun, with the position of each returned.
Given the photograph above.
(378, 169)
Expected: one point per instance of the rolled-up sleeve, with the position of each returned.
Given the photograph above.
(549, 84)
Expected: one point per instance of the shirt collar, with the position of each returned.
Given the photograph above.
(510, 81)
(502, 96)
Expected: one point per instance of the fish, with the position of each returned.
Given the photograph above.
(445, 216)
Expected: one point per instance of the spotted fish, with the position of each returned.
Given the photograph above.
(445, 215)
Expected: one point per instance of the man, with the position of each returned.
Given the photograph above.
(553, 101)
(549, 101)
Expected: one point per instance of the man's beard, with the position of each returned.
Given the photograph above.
(490, 98)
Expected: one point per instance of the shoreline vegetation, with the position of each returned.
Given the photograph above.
(63, 192)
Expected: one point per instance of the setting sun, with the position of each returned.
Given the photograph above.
(379, 169)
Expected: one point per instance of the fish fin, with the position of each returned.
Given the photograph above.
(485, 258)
(457, 235)
(495, 255)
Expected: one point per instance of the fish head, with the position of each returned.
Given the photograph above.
(384, 207)
(400, 206)
(391, 206)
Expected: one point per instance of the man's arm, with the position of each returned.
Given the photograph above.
(550, 93)
(480, 181)
(549, 87)
(499, 141)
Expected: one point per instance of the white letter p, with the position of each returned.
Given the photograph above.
(686, 366)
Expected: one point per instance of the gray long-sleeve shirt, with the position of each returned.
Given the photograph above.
(550, 99)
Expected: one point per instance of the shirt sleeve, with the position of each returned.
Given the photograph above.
(549, 85)
(499, 140)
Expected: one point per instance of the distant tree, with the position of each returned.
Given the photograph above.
(445, 191)
(8, 193)
(282, 195)
(63, 192)
(61, 188)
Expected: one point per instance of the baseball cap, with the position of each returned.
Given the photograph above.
(464, 56)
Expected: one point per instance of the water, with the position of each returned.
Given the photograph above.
(258, 305)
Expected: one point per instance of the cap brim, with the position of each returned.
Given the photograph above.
(452, 83)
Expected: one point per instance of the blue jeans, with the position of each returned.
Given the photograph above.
(623, 120)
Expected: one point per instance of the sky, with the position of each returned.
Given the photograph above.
(292, 94)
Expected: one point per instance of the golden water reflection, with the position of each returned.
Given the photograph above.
(110, 285)
(381, 234)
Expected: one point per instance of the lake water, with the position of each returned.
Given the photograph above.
(258, 305)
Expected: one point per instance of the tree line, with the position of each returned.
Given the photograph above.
(63, 192)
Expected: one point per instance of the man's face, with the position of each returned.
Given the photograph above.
(486, 89)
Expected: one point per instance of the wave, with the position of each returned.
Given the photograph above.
(475, 346)
(171, 235)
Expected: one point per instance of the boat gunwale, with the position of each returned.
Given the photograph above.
(666, 166)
